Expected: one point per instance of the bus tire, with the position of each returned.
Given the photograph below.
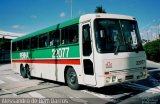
(71, 79)
(21, 68)
(28, 72)
(23, 72)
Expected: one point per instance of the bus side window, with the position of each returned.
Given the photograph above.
(51, 38)
(57, 38)
(69, 34)
(43, 40)
(73, 33)
(14, 46)
(26, 44)
(64, 36)
(34, 42)
(19, 46)
(54, 38)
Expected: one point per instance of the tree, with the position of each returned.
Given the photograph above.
(153, 50)
(99, 9)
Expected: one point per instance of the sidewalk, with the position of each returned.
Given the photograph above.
(5, 66)
(151, 64)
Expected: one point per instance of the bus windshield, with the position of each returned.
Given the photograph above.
(113, 36)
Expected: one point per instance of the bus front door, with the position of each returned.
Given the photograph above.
(87, 55)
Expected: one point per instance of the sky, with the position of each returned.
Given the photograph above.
(26, 16)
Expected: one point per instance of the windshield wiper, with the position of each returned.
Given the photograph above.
(117, 46)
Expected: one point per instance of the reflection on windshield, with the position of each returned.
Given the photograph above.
(117, 36)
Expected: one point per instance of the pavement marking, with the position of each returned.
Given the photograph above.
(9, 92)
(154, 90)
(78, 100)
(13, 79)
(35, 94)
(102, 96)
(1, 82)
(158, 87)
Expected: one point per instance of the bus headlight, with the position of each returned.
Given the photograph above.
(140, 75)
(113, 78)
(145, 72)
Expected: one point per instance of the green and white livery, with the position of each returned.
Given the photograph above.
(95, 50)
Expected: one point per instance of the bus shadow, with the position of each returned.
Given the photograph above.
(117, 92)
(111, 90)
(49, 81)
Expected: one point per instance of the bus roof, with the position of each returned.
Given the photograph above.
(48, 29)
(105, 15)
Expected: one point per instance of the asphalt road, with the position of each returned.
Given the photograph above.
(35, 91)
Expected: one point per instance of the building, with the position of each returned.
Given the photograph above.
(5, 45)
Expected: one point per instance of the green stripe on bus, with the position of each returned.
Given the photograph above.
(71, 51)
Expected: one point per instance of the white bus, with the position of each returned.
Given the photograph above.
(94, 50)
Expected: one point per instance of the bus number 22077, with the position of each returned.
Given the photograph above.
(60, 52)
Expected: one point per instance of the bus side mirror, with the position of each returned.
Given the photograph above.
(102, 34)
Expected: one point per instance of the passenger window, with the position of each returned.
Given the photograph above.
(34, 42)
(19, 46)
(26, 44)
(14, 46)
(69, 35)
(43, 40)
(54, 38)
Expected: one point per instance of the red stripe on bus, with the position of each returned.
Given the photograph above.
(51, 61)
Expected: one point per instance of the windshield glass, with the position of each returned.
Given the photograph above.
(113, 35)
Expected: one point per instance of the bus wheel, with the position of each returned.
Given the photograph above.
(23, 72)
(21, 69)
(71, 79)
(28, 72)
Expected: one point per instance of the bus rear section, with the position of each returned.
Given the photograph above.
(112, 50)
